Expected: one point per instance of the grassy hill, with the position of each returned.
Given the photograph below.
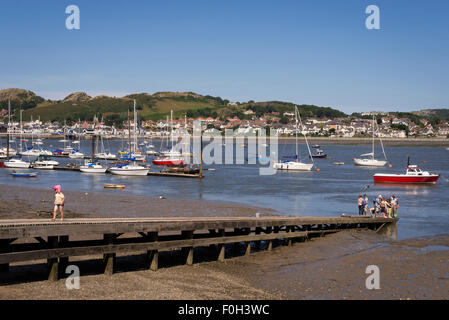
(155, 106)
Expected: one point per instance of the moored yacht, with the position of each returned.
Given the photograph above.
(16, 163)
(295, 165)
(368, 159)
(129, 169)
(90, 167)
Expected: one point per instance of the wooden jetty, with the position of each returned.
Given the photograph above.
(154, 173)
(41, 239)
(175, 174)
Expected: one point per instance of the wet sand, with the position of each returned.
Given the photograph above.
(332, 267)
(32, 203)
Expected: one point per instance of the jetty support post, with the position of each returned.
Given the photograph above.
(109, 259)
(153, 255)
(63, 261)
(270, 242)
(188, 251)
(4, 244)
(258, 231)
(390, 229)
(221, 247)
(289, 231)
(248, 243)
(52, 263)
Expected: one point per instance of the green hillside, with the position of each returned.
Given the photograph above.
(155, 106)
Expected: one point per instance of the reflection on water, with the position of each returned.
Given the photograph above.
(330, 192)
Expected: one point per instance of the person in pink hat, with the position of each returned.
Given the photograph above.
(59, 202)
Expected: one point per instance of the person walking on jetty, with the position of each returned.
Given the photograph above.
(360, 204)
(365, 204)
(395, 203)
(59, 202)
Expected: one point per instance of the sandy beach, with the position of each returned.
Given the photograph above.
(332, 267)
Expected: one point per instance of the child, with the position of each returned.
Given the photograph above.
(59, 202)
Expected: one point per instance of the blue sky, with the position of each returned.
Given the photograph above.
(315, 52)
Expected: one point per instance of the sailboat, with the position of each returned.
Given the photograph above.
(296, 165)
(171, 157)
(7, 151)
(18, 163)
(368, 159)
(91, 166)
(105, 155)
(76, 154)
(131, 168)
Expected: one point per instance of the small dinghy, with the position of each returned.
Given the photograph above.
(24, 174)
(338, 163)
(319, 154)
(114, 186)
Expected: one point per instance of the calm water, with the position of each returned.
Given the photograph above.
(330, 192)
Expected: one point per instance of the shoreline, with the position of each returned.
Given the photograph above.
(437, 142)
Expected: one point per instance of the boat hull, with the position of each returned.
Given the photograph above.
(319, 156)
(400, 178)
(129, 172)
(293, 166)
(43, 166)
(167, 162)
(370, 162)
(9, 164)
(87, 169)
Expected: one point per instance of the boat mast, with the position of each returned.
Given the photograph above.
(171, 131)
(381, 143)
(296, 135)
(373, 138)
(305, 136)
(135, 127)
(8, 130)
(129, 136)
(21, 149)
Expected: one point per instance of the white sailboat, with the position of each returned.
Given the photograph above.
(76, 154)
(92, 167)
(105, 155)
(368, 159)
(296, 165)
(18, 163)
(171, 157)
(130, 169)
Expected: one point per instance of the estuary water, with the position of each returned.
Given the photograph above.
(329, 192)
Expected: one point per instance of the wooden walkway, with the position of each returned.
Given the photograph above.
(53, 241)
(151, 173)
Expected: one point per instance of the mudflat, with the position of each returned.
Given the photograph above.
(332, 267)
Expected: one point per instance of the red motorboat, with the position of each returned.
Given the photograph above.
(168, 161)
(413, 174)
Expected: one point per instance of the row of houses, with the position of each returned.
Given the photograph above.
(338, 127)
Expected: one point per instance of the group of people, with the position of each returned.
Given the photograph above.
(383, 207)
